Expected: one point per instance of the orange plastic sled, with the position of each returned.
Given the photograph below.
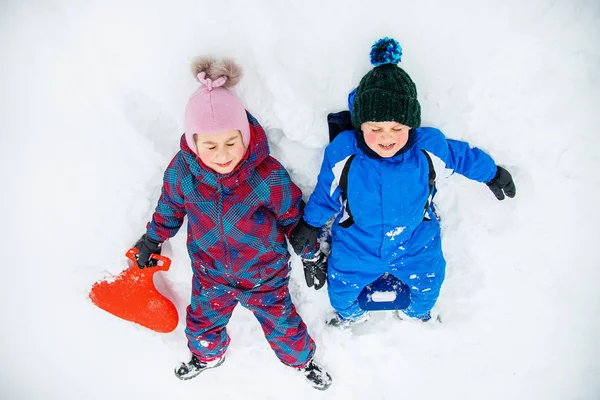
(133, 296)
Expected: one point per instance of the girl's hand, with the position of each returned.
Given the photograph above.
(146, 247)
(303, 237)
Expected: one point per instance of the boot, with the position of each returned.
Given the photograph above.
(194, 367)
(316, 375)
(426, 318)
(338, 321)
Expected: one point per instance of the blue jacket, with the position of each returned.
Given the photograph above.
(386, 199)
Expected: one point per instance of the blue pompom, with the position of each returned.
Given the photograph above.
(386, 51)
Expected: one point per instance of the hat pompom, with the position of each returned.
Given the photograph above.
(386, 51)
(202, 64)
(226, 68)
(216, 69)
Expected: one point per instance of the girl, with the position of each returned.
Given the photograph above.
(379, 179)
(240, 204)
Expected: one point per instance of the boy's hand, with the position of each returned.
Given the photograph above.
(303, 236)
(315, 270)
(146, 247)
(502, 184)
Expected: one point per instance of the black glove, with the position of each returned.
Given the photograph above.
(303, 235)
(146, 248)
(315, 270)
(502, 184)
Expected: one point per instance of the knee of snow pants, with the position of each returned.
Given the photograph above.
(207, 316)
(283, 327)
(424, 289)
(344, 285)
(422, 267)
(212, 305)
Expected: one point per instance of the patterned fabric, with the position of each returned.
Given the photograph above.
(236, 222)
(236, 240)
(213, 301)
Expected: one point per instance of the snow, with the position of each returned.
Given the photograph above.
(395, 232)
(92, 102)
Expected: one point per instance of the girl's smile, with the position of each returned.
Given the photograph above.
(221, 152)
(224, 165)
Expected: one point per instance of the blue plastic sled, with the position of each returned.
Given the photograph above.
(386, 293)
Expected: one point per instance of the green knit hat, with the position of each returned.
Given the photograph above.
(386, 93)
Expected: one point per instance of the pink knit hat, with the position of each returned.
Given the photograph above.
(213, 108)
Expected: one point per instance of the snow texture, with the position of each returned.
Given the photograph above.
(93, 95)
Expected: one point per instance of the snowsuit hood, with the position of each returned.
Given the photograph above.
(257, 152)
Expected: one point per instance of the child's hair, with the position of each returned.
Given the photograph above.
(213, 108)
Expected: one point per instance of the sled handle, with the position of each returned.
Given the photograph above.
(163, 263)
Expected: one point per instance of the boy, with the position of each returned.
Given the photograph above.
(380, 180)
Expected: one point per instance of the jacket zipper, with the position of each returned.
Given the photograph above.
(382, 167)
(222, 229)
(381, 240)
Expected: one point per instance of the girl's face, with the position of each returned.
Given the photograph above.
(385, 138)
(221, 152)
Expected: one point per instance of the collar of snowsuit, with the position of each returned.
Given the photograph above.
(257, 151)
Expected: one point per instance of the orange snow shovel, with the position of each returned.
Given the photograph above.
(133, 296)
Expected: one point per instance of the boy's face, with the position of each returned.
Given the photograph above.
(221, 152)
(385, 138)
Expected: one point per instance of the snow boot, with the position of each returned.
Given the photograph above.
(194, 367)
(336, 320)
(316, 375)
(426, 318)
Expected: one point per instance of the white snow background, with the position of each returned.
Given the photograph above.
(92, 107)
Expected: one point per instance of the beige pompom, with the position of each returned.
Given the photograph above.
(228, 68)
(202, 64)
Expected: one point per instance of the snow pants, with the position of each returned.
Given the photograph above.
(214, 299)
(418, 262)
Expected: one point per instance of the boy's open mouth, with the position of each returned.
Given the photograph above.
(387, 146)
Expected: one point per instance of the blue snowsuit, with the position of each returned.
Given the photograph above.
(386, 221)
